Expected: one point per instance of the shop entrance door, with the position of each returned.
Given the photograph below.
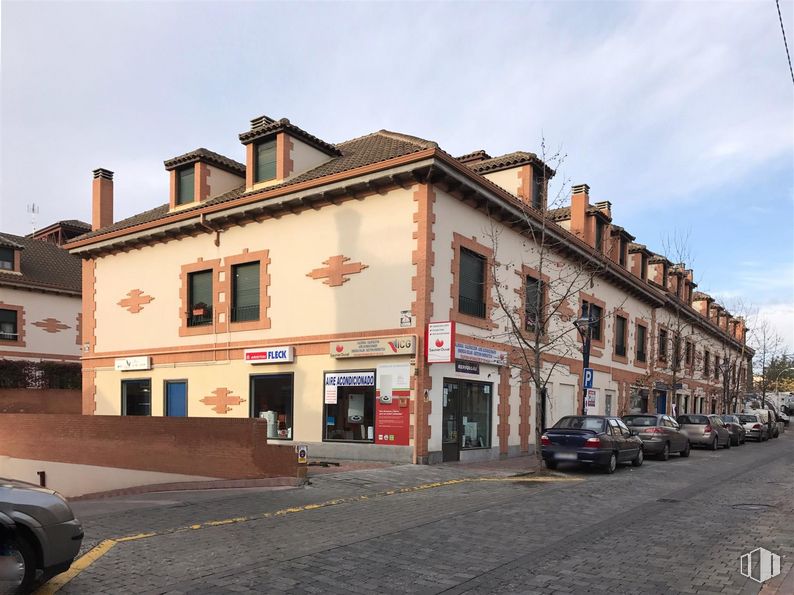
(661, 402)
(176, 399)
(451, 426)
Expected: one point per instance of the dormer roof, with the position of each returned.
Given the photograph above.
(264, 126)
(206, 156)
(508, 161)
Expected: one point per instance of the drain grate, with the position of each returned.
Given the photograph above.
(753, 506)
(669, 500)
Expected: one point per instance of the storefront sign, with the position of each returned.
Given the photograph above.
(465, 367)
(126, 364)
(374, 347)
(483, 355)
(440, 339)
(335, 380)
(269, 355)
(590, 398)
(392, 414)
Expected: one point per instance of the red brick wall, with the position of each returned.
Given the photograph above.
(51, 400)
(225, 448)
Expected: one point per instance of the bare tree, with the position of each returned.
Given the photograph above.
(768, 344)
(536, 319)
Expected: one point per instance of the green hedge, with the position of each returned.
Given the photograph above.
(28, 374)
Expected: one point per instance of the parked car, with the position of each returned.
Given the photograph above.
(735, 427)
(38, 531)
(753, 427)
(769, 419)
(660, 434)
(705, 430)
(591, 440)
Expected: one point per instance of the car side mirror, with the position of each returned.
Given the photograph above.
(634, 432)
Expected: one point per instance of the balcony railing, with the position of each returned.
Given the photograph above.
(4, 336)
(620, 350)
(200, 316)
(245, 313)
(471, 307)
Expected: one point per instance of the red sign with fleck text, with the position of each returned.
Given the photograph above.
(392, 420)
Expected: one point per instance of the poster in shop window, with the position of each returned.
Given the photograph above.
(392, 412)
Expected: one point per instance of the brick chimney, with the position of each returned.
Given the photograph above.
(102, 199)
(580, 199)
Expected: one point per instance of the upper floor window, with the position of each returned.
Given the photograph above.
(706, 363)
(265, 167)
(199, 298)
(6, 259)
(245, 292)
(716, 367)
(534, 307)
(662, 345)
(596, 315)
(8, 325)
(471, 298)
(624, 250)
(599, 234)
(537, 190)
(676, 351)
(644, 267)
(185, 186)
(689, 353)
(620, 335)
(642, 338)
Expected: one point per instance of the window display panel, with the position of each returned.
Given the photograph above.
(136, 397)
(349, 406)
(476, 415)
(271, 399)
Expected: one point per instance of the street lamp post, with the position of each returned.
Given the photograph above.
(777, 379)
(724, 367)
(585, 327)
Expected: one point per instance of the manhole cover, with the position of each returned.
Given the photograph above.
(669, 500)
(753, 506)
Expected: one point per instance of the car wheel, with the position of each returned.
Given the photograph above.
(18, 563)
(551, 464)
(727, 443)
(685, 452)
(665, 454)
(612, 464)
(637, 461)
(714, 444)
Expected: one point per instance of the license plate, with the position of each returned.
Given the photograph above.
(565, 456)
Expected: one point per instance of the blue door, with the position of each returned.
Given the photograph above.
(661, 403)
(176, 399)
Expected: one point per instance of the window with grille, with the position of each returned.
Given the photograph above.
(8, 325)
(642, 337)
(620, 335)
(662, 345)
(534, 307)
(245, 292)
(199, 298)
(471, 297)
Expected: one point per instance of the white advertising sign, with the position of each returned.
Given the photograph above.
(484, 355)
(374, 347)
(269, 355)
(440, 339)
(126, 364)
(590, 398)
(335, 380)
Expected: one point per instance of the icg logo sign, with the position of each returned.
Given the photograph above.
(760, 565)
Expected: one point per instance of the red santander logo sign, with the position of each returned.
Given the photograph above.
(440, 342)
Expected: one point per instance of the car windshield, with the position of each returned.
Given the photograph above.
(746, 419)
(640, 420)
(693, 419)
(581, 423)
(728, 418)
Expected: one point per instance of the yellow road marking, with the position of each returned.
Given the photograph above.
(55, 584)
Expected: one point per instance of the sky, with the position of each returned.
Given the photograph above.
(679, 113)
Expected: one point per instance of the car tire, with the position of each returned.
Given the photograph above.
(551, 464)
(27, 557)
(610, 467)
(685, 453)
(727, 443)
(714, 444)
(637, 461)
(665, 454)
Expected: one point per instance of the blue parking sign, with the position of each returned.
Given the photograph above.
(589, 376)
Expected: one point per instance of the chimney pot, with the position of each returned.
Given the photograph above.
(261, 121)
(580, 189)
(103, 173)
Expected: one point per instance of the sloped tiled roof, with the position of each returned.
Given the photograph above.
(7, 242)
(43, 265)
(211, 157)
(358, 152)
(507, 161)
(561, 214)
(474, 156)
(269, 126)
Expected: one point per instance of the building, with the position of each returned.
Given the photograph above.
(40, 287)
(298, 286)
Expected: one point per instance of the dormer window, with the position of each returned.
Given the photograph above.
(624, 250)
(6, 259)
(265, 161)
(644, 267)
(599, 234)
(186, 186)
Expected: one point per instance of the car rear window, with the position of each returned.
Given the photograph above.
(728, 419)
(693, 419)
(748, 419)
(581, 423)
(640, 420)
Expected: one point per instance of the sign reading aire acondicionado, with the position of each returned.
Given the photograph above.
(374, 347)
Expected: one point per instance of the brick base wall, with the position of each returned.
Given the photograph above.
(50, 400)
(224, 448)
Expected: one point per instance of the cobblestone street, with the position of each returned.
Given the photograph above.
(667, 527)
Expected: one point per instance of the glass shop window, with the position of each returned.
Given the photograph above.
(349, 406)
(272, 399)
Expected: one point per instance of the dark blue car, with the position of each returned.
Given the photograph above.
(591, 440)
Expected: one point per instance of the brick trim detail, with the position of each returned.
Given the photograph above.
(423, 258)
(284, 164)
(459, 241)
(222, 400)
(523, 273)
(336, 271)
(88, 334)
(51, 325)
(135, 301)
(525, 410)
(20, 340)
(503, 409)
(603, 305)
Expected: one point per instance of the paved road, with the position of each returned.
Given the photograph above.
(668, 527)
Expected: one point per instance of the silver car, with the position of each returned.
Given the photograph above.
(705, 430)
(753, 427)
(38, 531)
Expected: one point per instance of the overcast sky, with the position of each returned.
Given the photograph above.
(680, 114)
